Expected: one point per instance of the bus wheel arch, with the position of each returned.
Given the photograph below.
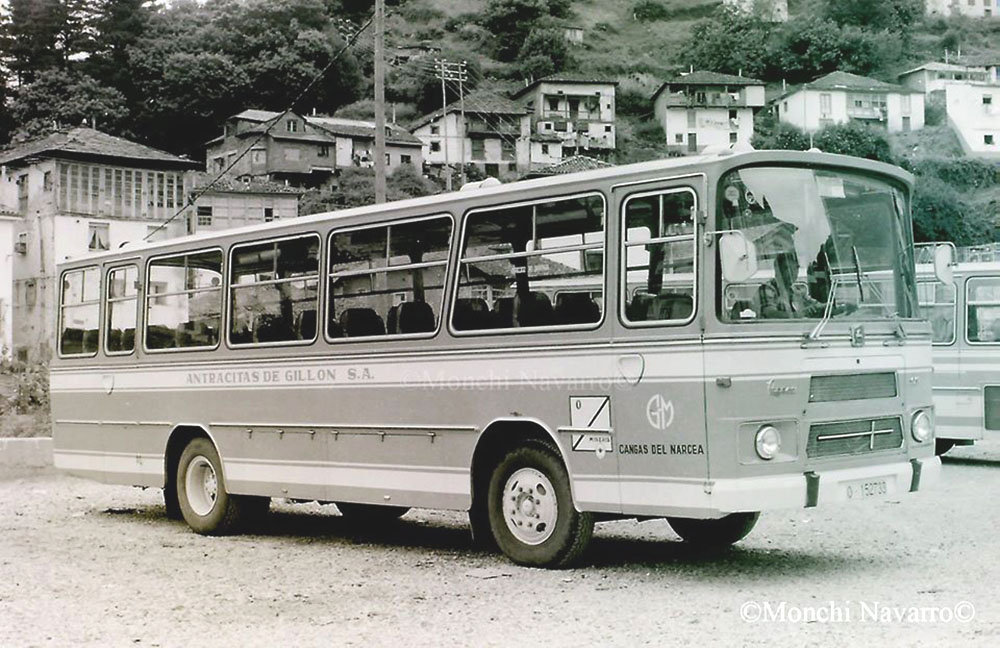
(179, 438)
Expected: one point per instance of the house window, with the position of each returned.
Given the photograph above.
(204, 216)
(553, 103)
(493, 170)
(324, 151)
(733, 114)
(47, 181)
(904, 104)
(607, 128)
(507, 150)
(825, 103)
(292, 126)
(268, 214)
(97, 237)
(732, 137)
(478, 149)
(435, 129)
(219, 163)
(258, 157)
(545, 149)
(435, 147)
(405, 159)
(292, 154)
(987, 100)
(679, 138)
(988, 140)
(388, 160)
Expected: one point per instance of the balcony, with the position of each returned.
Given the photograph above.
(499, 127)
(707, 100)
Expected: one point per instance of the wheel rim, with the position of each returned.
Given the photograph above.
(201, 485)
(530, 506)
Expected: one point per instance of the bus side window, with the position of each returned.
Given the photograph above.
(937, 305)
(274, 291)
(660, 256)
(517, 260)
(983, 309)
(79, 312)
(388, 280)
(122, 300)
(184, 301)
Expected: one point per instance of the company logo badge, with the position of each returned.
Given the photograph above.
(660, 412)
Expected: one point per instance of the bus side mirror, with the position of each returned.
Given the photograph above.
(944, 268)
(738, 255)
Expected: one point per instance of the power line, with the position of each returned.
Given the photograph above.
(195, 195)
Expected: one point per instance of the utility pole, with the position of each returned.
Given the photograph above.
(380, 101)
(448, 71)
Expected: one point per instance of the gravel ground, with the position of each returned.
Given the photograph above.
(82, 563)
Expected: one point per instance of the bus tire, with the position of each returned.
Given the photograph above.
(942, 446)
(718, 533)
(172, 503)
(371, 514)
(201, 492)
(531, 510)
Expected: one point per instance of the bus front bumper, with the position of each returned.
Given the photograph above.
(719, 497)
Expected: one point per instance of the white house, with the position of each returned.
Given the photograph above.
(494, 135)
(934, 76)
(974, 115)
(703, 109)
(971, 8)
(840, 97)
(579, 110)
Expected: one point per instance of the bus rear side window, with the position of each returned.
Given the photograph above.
(184, 301)
(119, 335)
(388, 279)
(983, 305)
(274, 291)
(80, 311)
(518, 261)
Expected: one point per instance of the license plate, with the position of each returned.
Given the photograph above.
(868, 488)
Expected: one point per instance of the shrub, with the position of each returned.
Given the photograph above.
(30, 388)
(649, 11)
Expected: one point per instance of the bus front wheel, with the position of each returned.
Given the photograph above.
(201, 492)
(721, 532)
(531, 510)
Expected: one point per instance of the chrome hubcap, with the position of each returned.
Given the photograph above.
(202, 485)
(530, 506)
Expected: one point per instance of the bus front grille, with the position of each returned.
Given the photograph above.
(856, 386)
(854, 437)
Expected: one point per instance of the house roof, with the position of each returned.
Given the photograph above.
(89, 144)
(353, 128)
(564, 77)
(250, 186)
(483, 103)
(707, 78)
(252, 114)
(936, 66)
(573, 164)
(846, 81)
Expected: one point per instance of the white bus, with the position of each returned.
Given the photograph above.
(965, 324)
(543, 354)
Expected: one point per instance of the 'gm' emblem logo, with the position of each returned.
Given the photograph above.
(660, 412)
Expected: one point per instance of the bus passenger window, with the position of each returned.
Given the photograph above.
(184, 301)
(983, 306)
(122, 302)
(80, 306)
(388, 279)
(274, 289)
(660, 257)
(937, 305)
(535, 265)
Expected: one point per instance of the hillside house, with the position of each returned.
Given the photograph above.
(974, 116)
(494, 135)
(770, 10)
(840, 97)
(229, 203)
(303, 151)
(971, 8)
(704, 109)
(579, 110)
(934, 76)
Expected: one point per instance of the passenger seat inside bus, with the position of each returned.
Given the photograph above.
(577, 308)
(472, 314)
(503, 313)
(359, 322)
(533, 309)
(665, 306)
(411, 317)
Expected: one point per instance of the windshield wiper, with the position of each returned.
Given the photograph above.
(857, 274)
(817, 331)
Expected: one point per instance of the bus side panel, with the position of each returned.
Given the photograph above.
(958, 402)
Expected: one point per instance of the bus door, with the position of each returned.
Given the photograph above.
(660, 409)
(979, 365)
(956, 404)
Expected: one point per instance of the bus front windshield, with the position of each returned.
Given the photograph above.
(827, 242)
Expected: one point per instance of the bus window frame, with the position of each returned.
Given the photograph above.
(62, 307)
(954, 313)
(134, 262)
(327, 278)
(527, 330)
(148, 295)
(227, 298)
(966, 305)
(623, 261)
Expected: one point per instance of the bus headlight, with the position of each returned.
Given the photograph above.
(767, 442)
(920, 426)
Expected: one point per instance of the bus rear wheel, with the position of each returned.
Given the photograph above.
(718, 533)
(531, 510)
(201, 492)
(371, 513)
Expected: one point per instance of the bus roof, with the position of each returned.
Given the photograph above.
(624, 174)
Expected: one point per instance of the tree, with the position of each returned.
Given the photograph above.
(731, 42)
(511, 21)
(857, 139)
(544, 52)
(893, 15)
(31, 37)
(941, 214)
(65, 98)
(780, 137)
(356, 188)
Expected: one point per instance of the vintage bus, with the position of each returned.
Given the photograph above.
(628, 342)
(965, 325)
